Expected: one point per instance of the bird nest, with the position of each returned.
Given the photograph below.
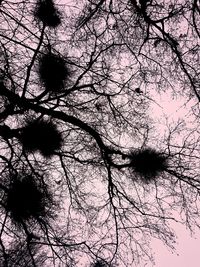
(148, 163)
(46, 12)
(26, 199)
(41, 135)
(53, 72)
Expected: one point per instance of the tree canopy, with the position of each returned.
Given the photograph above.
(89, 174)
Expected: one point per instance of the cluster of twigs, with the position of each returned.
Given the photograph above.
(46, 12)
(53, 72)
(41, 135)
(26, 199)
(148, 163)
(99, 263)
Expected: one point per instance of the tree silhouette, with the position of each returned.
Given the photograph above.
(88, 177)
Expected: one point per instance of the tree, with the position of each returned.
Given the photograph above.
(86, 177)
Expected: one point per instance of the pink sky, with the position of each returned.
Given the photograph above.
(187, 250)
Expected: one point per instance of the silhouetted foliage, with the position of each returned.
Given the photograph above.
(148, 163)
(93, 90)
(53, 72)
(99, 263)
(25, 199)
(46, 12)
(6, 132)
(21, 254)
(42, 136)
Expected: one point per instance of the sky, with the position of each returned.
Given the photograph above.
(187, 250)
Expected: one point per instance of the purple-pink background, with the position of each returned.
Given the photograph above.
(187, 248)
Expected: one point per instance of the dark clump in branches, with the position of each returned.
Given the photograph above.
(148, 163)
(53, 72)
(6, 132)
(41, 135)
(22, 255)
(99, 263)
(25, 199)
(46, 12)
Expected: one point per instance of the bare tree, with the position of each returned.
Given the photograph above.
(84, 177)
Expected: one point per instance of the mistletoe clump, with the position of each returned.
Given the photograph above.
(41, 135)
(26, 199)
(46, 12)
(148, 163)
(53, 72)
(99, 263)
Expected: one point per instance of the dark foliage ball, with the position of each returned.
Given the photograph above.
(6, 132)
(148, 163)
(25, 200)
(53, 72)
(42, 136)
(100, 263)
(47, 13)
